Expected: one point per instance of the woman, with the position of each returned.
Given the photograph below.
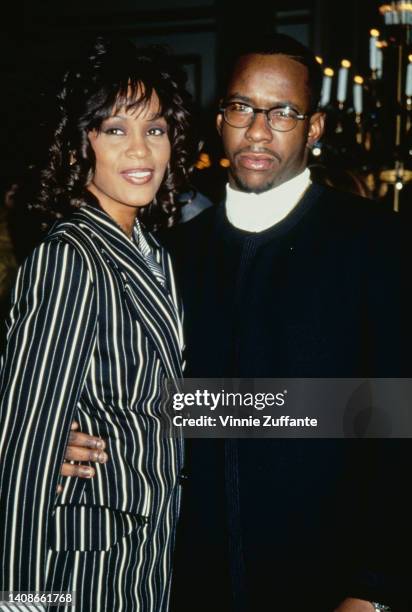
(93, 334)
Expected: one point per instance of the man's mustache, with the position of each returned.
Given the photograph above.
(258, 151)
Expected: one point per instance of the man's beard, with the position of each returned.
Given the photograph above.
(242, 186)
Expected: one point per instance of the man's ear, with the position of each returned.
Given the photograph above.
(219, 120)
(316, 128)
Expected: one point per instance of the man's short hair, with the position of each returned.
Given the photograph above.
(281, 44)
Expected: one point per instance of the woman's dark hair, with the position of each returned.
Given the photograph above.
(114, 75)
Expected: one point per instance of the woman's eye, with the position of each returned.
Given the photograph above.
(156, 131)
(113, 131)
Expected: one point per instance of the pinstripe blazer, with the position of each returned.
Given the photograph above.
(92, 335)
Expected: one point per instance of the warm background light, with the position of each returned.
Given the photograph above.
(203, 161)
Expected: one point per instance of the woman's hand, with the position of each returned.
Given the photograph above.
(82, 447)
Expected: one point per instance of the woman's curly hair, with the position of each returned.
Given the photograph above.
(114, 75)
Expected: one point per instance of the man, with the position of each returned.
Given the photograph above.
(285, 280)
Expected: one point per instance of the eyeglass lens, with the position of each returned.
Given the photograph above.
(242, 115)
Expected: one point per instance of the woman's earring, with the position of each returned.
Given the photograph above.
(72, 158)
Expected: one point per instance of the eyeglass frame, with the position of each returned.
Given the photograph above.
(265, 111)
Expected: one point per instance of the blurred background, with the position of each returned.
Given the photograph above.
(364, 48)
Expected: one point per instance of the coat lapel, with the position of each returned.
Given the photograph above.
(156, 308)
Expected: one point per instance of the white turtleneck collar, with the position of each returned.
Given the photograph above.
(255, 212)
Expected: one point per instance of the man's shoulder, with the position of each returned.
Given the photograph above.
(344, 201)
(354, 213)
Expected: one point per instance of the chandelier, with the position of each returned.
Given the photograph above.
(369, 116)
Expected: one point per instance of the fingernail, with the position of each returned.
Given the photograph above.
(99, 456)
(85, 472)
(99, 444)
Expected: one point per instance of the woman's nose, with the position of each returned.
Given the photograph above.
(137, 146)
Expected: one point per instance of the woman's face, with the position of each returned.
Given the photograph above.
(132, 150)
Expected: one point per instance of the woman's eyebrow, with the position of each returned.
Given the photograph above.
(122, 117)
(116, 116)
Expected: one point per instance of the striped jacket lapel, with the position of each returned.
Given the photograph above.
(145, 295)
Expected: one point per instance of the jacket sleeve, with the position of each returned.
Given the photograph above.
(51, 333)
(179, 305)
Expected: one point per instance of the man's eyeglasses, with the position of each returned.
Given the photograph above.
(280, 118)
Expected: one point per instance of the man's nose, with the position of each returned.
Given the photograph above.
(259, 129)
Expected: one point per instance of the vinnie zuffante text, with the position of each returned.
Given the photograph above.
(266, 420)
(201, 400)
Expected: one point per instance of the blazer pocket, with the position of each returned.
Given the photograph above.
(87, 528)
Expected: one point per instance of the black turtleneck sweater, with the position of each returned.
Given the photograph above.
(287, 524)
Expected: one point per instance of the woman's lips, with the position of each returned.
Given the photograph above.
(138, 176)
(256, 162)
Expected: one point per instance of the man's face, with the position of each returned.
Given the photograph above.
(262, 158)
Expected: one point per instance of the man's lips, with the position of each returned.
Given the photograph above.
(256, 161)
(138, 176)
